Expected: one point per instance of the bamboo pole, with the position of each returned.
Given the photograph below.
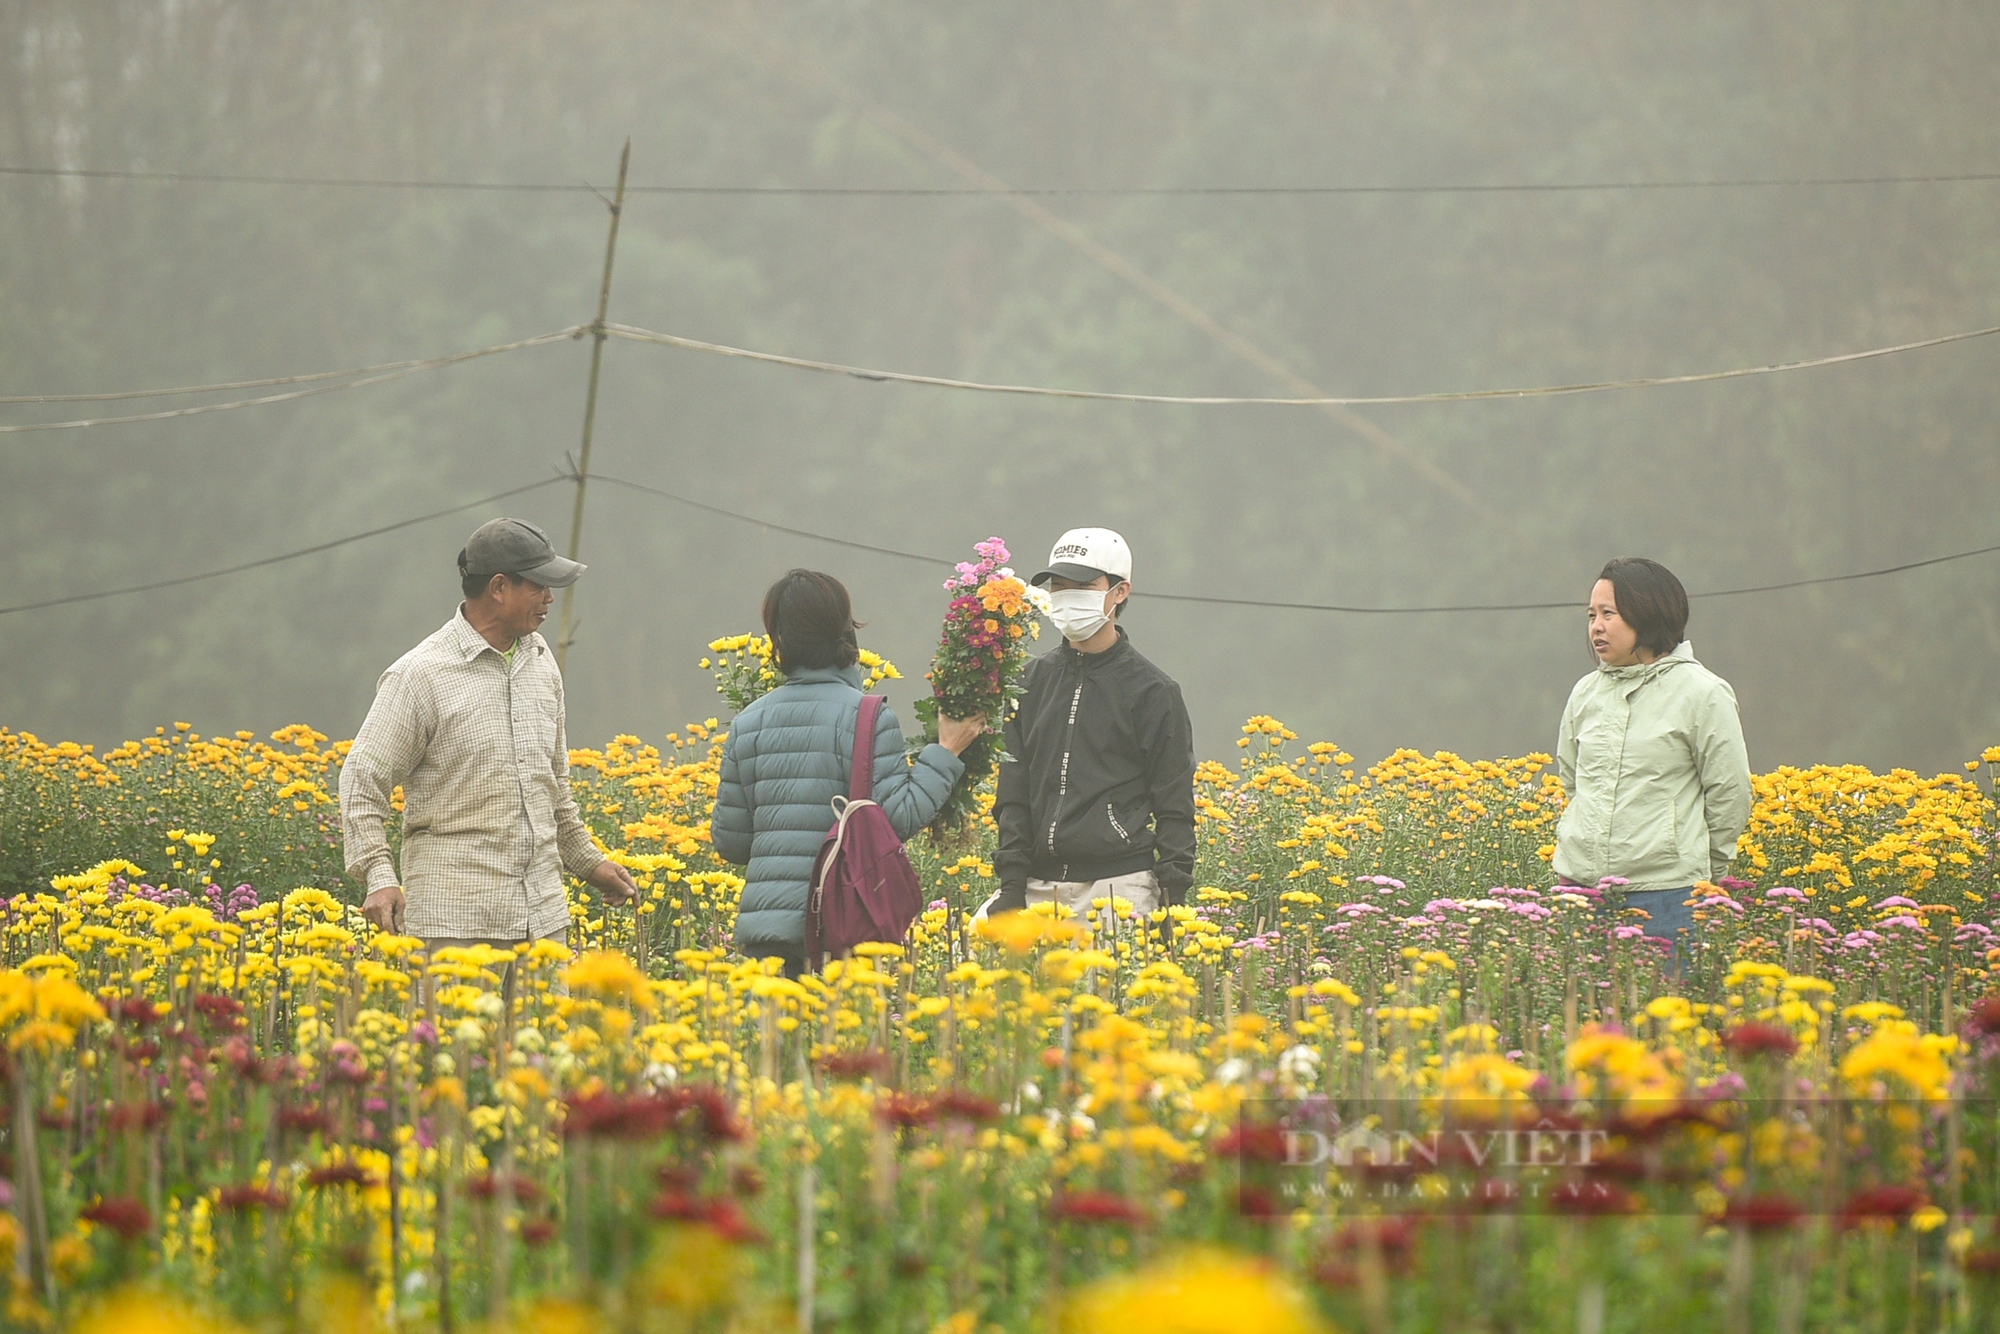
(807, 1245)
(567, 633)
(28, 1170)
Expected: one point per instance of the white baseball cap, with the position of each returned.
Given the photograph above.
(1084, 553)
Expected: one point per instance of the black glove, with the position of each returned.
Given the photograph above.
(1011, 898)
(1169, 901)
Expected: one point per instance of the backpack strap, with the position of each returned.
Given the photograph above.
(861, 779)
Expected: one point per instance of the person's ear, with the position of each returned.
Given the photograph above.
(496, 586)
(1123, 589)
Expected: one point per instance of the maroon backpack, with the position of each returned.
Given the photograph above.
(863, 886)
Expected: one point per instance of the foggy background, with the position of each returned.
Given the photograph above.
(128, 284)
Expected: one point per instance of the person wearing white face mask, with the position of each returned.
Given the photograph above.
(1096, 790)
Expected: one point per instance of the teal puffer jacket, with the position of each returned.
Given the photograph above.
(786, 759)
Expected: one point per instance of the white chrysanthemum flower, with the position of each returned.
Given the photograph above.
(1299, 1064)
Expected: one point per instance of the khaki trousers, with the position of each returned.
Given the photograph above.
(1141, 889)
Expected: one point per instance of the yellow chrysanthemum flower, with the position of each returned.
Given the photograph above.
(132, 1311)
(1198, 1292)
(1022, 931)
(611, 976)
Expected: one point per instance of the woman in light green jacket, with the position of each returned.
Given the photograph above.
(1651, 755)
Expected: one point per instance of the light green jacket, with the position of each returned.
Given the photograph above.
(1658, 779)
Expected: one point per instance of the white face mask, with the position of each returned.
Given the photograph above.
(1078, 612)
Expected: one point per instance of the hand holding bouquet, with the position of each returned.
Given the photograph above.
(981, 654)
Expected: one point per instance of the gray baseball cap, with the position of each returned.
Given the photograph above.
(517, 547)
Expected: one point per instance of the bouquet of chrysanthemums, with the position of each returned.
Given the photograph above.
(744, 669)
(981, 654)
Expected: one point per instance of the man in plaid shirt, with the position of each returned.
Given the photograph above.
(469, 724)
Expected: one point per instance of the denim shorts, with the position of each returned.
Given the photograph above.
(1670, 917)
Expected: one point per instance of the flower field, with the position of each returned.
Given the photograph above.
(231, 1105)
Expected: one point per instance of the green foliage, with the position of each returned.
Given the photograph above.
(110, 284)
(268, 805)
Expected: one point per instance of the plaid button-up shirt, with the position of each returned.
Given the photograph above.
(478, 746)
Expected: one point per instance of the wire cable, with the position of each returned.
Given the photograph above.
(639, 335)
(334, 182)
(279, 559)
(403, 369)
(753, 520)
(1846, 578)
(892, 191)
(936, 561)
(1570, 604)
(211, 388)
(371, 375)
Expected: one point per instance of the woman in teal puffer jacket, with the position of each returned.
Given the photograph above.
(789, 754)
(1651, 754)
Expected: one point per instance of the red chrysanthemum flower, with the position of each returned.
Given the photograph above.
(1763, 1213)
(1259, 1203)
(339, 1174)
(134, 1010)
(1253, 1144)
(303, 1120)
(614, 1116)
(679, 1206)
(1648, 1120)
(1097, 1206)
(345, 1064)
(642, 1116)
(242, 1199)
(1619, 1167)
(486, 1186)
(1890, 1203)
(906, 1112)
(128, 1218)
(726, 1216)
(712, 1114)
(959, 1105)
(855, 1064)
(241, 1058)
(1984, 1017)
(221, 1011)
(721, 1213)
(1757, 1039)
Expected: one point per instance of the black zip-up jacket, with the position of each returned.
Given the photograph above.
(1098, 778)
